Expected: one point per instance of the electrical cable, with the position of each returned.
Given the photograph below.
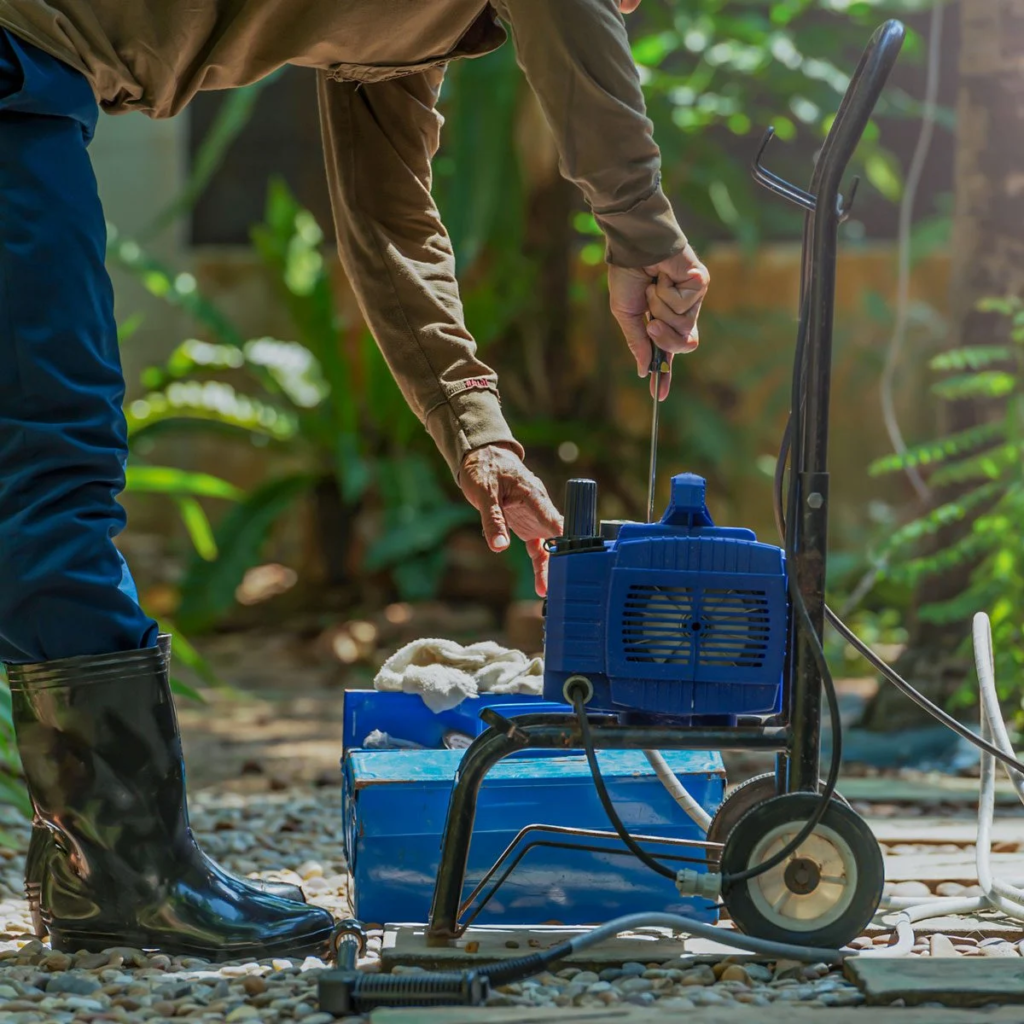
(602, 791)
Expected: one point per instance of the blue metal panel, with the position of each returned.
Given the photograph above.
(395, 804)
(679, 618)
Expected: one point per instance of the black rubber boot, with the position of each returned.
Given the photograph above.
(100, 749)
(43, 848)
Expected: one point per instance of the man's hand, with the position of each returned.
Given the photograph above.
(659, 304)
(508, 496)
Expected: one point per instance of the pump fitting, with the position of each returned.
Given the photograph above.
(706, 884)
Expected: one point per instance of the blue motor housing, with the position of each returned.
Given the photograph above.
(679, 618)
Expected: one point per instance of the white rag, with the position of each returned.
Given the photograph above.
(444, 673)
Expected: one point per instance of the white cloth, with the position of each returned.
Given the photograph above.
(444, 673)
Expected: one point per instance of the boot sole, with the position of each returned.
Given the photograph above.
(317, 944)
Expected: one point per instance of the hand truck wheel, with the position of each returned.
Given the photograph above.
(824, 894)
(743, 798)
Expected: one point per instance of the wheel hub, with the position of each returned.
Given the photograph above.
(810, 889)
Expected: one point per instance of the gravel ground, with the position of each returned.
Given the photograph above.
(294, 835)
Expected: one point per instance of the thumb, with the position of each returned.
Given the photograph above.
(495, 528)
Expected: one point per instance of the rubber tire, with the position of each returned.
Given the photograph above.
(746, 796)
(798, 807)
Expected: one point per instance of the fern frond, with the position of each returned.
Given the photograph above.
(958, 554)
(986, 384)
(987, 465)
(940, 450)
(938, 518)
(974, 357)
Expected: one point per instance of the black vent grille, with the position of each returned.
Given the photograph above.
(695, 626)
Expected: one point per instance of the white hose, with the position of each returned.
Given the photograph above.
(999, 894)
(677, 791)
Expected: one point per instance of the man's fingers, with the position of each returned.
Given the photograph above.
(539, 557)
(495, 529)
(669, 340)
(682, 324)
(682, 296)
(634, 328)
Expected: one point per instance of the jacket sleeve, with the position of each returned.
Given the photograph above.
(577, 58)
(379, 139)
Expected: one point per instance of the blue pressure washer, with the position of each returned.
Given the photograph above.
(683, 635)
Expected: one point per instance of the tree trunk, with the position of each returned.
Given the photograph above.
(987, 261)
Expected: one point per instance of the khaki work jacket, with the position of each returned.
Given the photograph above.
(380, 64)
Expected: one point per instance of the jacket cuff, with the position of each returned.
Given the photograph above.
(468, 420)
(645, 234)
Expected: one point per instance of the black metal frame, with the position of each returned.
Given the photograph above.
(797, 738)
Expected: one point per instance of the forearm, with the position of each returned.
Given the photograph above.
(378, 141)
(576, 55)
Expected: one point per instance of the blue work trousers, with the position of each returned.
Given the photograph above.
(65, 590)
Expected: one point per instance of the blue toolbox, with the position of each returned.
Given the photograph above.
(395, 802)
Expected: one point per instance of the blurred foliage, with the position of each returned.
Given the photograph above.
(324, 399)
(982, 471)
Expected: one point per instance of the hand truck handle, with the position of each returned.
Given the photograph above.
(855, 111)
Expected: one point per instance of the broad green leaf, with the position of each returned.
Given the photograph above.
(213, 401)
(425, 532)
(208, 590)
(883, 171)
(168, 480)
(198, 527)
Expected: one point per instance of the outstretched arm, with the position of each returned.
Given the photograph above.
(379, 140)
(577, 58)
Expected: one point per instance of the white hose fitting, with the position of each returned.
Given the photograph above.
(705, 884)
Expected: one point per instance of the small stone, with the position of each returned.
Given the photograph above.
(700, 975)
(759, 973)
(709, 997)
(735, 973)
(302, 1010)
(72, 984)
(281, 965)
(597, 987)
(126, 1003)
(640, 998)
(86, 1005)
(6, 992)
(254, 985)
(610, 973)
(311, 869)
(165, 1008)
(786, 969)
(586, 978)
(846, 997)
(677, 1003)
(631, 985)
(998, 947)
(57, 962)
(949, 889)
(861, 942)
(942, 945)
(910, 889)
(90, 961)
(569, 972)
(633, 968)
(242, 1013)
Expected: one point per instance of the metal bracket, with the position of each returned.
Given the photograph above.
(793, 193)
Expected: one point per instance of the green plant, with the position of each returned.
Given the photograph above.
(325, 401)
(982, 469)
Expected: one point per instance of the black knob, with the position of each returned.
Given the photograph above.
(580, 509)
